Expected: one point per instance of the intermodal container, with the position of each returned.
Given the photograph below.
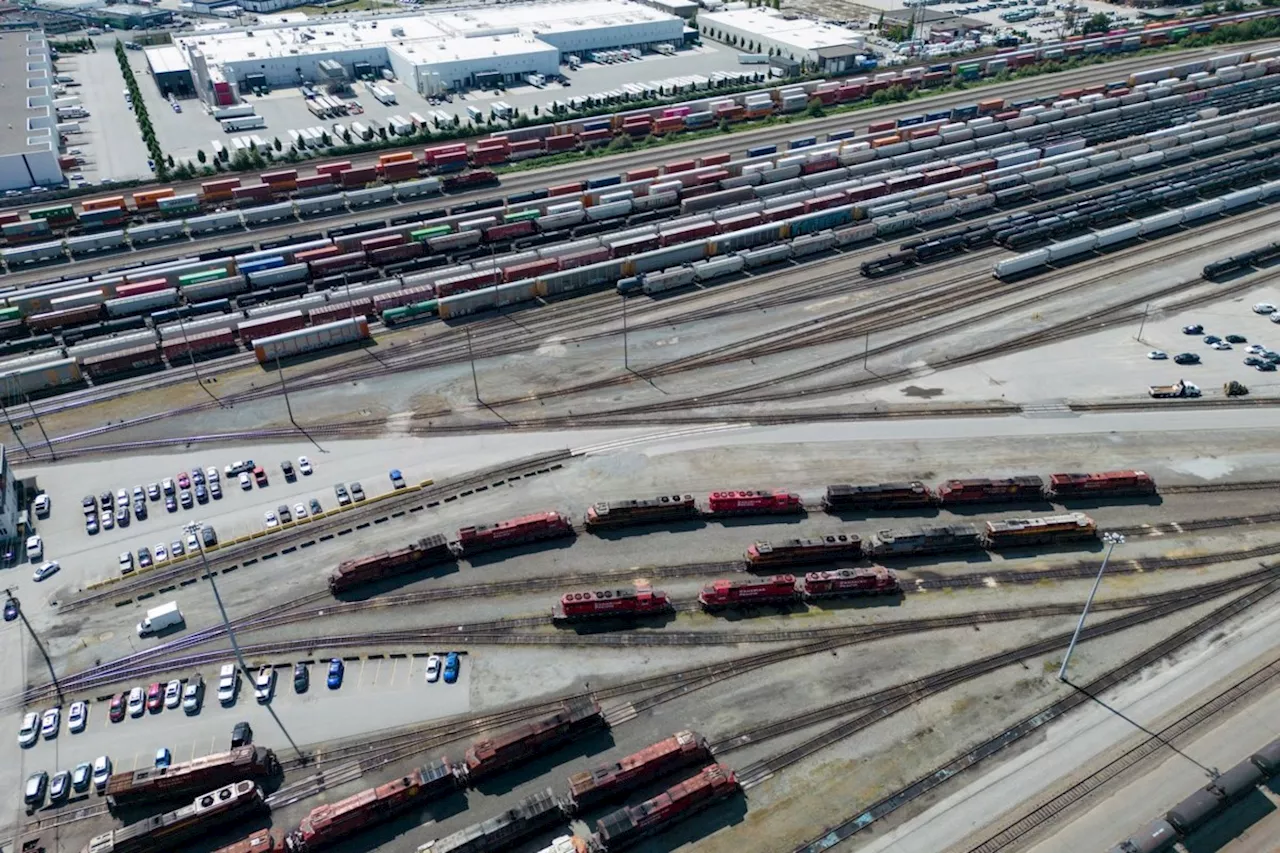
(355, 178)
(679, 166)
(316, 254)
(333, 169)
(138, 288)
(532, 269)
(114, 202)
(147, 199)
(218, 190)
(467, 282)
(565, 189)
(253, 194)
(396, 157)
(282, 181)
(562, 142)
(314, 182)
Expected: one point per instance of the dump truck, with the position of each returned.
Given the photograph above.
(1181, 388)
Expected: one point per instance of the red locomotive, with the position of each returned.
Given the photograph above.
(778, 589)
(262, 841)
(153, 784)
(515, 531)
(622, 513)
(627, 825)
(614, 781)
(424, 552)
(1016, 532)
(1109, 483)
(332, 822)
(867, 580)
(610, 603)
(774, 502)
(1030, 488)
(794, 552)
(495, 754)
(878, 496)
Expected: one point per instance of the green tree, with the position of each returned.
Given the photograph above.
(201, 156)
(814, 108)
(279, 146)
(1099, 23)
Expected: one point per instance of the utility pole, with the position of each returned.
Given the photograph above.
(53, 456)
(53, 676)
(866, 349)
(1112, 540)
(191, 354)
(285, 387)
(626, 363)
(475, 382)
(1143, 324)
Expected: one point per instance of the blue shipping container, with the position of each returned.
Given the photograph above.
(597, 124)
(964, 113)
(910, 120)
(761, 150)
(603, 181)
(934, 69)
(261, 264)
(841, 134)
(700, 119)
(944, 115)
(802, 142)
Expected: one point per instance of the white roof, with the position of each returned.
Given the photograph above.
(166, 59)
(801, 33)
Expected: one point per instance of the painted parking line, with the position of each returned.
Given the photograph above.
(395, 664)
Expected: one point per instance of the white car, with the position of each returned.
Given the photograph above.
(137, 702)
(264, 685)
(30, 731)
(433, 669)
(159, 553)
(177, 548)
(108, 520)
(1264, 308)
(41, 505)
(1157, 355)
(1255, 349)
(126, 562)
(304, 465)
(269, 520)
(173, 694)
(77, 717)
(101, 771)
(299, 512)
(1220, 345)
(50, 723)
(212, 474)
(193, 544)
(167, 486)
(35, 548)
(228, 684)
(45, 570)
(1275, 318)
(245, 482)
(122, 498)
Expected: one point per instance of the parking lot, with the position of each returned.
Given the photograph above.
(376, 693)
(108, 141)
(284, 109)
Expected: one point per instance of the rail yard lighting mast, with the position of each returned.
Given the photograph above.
(1112, 540)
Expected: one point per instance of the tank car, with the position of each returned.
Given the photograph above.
(796, 552)
(878, 496)
(927, 539)
(1026, 488)
(610, 604)
(774, 502)
(515, 531)
(1107, 483)
(1156, 837)
(866, 580)
(721, 594)
(1267, 759)
(1017, 532)
(609, 514)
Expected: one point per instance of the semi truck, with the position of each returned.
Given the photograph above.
(1181, 388)
(160, 618)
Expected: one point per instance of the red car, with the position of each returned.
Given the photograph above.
(184, 482)
(155, 697)
(117, 707)
(260, 475)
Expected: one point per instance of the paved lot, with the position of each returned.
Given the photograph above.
(376, 694)
(109, 140)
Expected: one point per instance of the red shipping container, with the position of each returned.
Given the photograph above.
(337, 263)
(6, 218)
(582, 259)
(866, 191)
(315, 181)
(679, 166)
(430, 154)
(711, 177)
(494, 142)
(852, 92)
(784, 211)
(401, 171)
(687, 233)
(524, 146)
(358, 178)
(289, 176)
(254, 194)
(881, 126)
(372, 243)
(488, 156)
(140, 287)
(401, 252)
(823, 202)
(472, 281)
(407, 296)
(694, 192)
(601, 135)
(745, 220)
(716, 159)
(563, 142)
(641, 174)
(921, 132)
(316, 254)
(532, 269)
(509, 230)
(333, 168)
(223, 185)
(565, 189)
(667, 125)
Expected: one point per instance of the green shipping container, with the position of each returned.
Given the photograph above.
(521, 216)
(200, 277)
(405, 313)
(60, 212)
(10, 314)
(1180, 32)
(424, 234)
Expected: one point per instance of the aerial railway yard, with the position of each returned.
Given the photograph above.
(779, 653)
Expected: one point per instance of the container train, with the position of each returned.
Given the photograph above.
(1205, 804)
(403, 298)
(447, 159)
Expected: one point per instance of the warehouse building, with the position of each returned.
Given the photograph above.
(12, 515)
(168, 66)
(129, 16)
(821, 47)
(456, 49)
(28, 127)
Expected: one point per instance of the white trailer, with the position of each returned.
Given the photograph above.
(250, 122)
(160, 618)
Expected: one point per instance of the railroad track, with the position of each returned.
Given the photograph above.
(890, 701)
(866, 816)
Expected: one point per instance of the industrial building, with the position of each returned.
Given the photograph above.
(28, 128)
(168, 66)
(430, 52)
(12, 515)
(822, 47)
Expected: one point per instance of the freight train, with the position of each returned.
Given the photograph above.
(157, 784)
(1060, 487)
(784, 589)
(428, 551)
(742, 235)
(1205, 804)
(165, 832)
(627, 513)
(554, 138)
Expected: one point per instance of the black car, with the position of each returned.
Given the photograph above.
(315, 507)
(241, 735)
(170, 503)
(209, 536)
(1212, 339)
(289, 474)
(186, 500)
(301, 678)
(1186, 358)
(1267, 367)
(122, 518)
(140, 510)
(197, 476)
(1252, 361)
(1193, 329)
(90, 504)
(107, 501)
(202, 494)
(215, 491)
(144, 557)
(1236, 339)
(11, 610)
(153, 491)
(282, 512)
(90, 524)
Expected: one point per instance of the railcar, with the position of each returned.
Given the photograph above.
(168, 831)
(617, 780)
(628, 825)
(991, 491)
(928, 539)
(721, 594)
(491, 755)
(864, 580)
(754, 502)
(797, 552)
(1109, 483)
(427, 551)
(878, 496)
(610, 514)
(1019, 532)
(610, 604)
(516, 531)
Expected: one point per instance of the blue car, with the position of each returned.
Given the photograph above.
(336, 670)
(163, 757)
(451, 666)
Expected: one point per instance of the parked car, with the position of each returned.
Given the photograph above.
(173, 694)
(264, 685)
(41, 505)
(91, 524)
(397, 479)
(163, 758)
(184, 482)
(284, 514)
(82, 776)
(186, 500)
(50, 723)
(37, 784)
(11, 609)
(1264, 308)
(171, 503)
(1236, 339)
(245, 482)
(299, 511)
(166, 485)
(137, 702)
(117, 709)
(45, 570)
(336, 670)
(77, 717)
(212, 474)
(269, 520)
(153, 491)
(315, 507)
(228, 684)
(108, 521)
(341, 491)
(215, 490)
(144, 557)
(289, 474)
(59, 786)
(209, 536)
(452, 665)
(1186, 358)
(155, 697)
(90, 505)
(160, 553)
(29, 732)
(101, 772)
(241, 735)
(193, 694)
(433, 669)
(260, 476)
(304, 465)
(357, 491)
(35, 548)
(301, 677)
(1157, 355)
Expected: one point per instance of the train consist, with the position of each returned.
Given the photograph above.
(452, 160)
(1205, 804)
(723, 214)
(1059, 487)
(238, 801)
(428, 551)
(158, 784)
